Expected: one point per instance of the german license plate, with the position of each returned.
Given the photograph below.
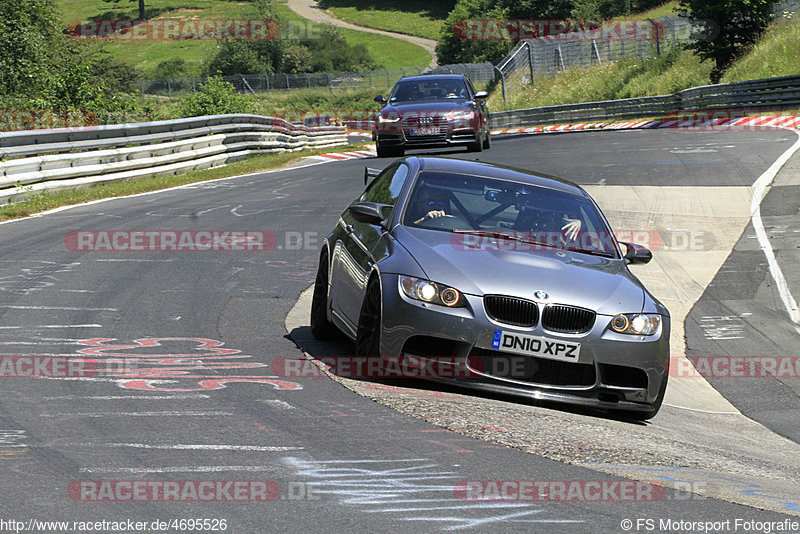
(425, 131)
(542, 347)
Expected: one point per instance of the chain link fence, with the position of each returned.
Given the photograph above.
(378, 80)
(529, 59)
(546, 56)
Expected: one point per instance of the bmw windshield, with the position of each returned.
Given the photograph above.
(540, 217)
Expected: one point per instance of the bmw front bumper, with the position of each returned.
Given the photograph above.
(613, 371)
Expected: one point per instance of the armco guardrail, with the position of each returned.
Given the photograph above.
(37, 160)
(769, 93)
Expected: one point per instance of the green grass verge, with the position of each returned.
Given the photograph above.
(664, 10)
(46, 201)
(272, 104)
(774, 55)
(146, 55)
(387, 52)
(421, 18)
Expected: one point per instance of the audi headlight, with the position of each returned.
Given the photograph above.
(462, 115)
(383, 119)
(638, 324)
(427, 291)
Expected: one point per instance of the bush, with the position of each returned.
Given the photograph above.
(331, 52)
(216, 97)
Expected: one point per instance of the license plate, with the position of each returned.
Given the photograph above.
(542, 347)
(425, 131)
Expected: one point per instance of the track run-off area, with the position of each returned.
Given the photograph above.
(180, 345)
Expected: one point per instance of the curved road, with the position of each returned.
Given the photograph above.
(310, 10)
(175, 378)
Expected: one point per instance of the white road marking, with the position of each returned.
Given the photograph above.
(132, 259)
(759, 187)
(139, 414)
(193, 447)
(67, 308)
(54, 326)
(127, 397)
(160, 191)
(46, 343)
(701, 411)
(278, 403)
(179, 469)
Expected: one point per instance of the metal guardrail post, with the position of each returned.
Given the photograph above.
(502, 84)
(559, 59)
(530, 59)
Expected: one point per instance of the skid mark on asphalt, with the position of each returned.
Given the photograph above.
(414, 489)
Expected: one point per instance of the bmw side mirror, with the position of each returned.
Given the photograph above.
(636, 254)
(481, 94)
(380, 99)
(368, 212)
(370, 173)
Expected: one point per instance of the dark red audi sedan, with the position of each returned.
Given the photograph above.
(431, 111)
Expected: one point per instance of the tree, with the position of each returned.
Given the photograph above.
(31, 44)
(142, 13)
(457, 44)
(729, 28)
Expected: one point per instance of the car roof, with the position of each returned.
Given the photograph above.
(495, 170)
(433, 76)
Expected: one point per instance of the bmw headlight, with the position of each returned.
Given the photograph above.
(638, 324)
(427, 291)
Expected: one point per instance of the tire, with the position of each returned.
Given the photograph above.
(388, 152)
(477, 146)
(368, 334)
(487, 144)
(321, 328)
(654, 408)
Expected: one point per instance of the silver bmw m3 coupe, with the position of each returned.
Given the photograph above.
(512, 275)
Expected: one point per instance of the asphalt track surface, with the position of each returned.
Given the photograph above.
(169, 404)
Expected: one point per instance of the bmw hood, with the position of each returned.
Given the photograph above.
(593, 282)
